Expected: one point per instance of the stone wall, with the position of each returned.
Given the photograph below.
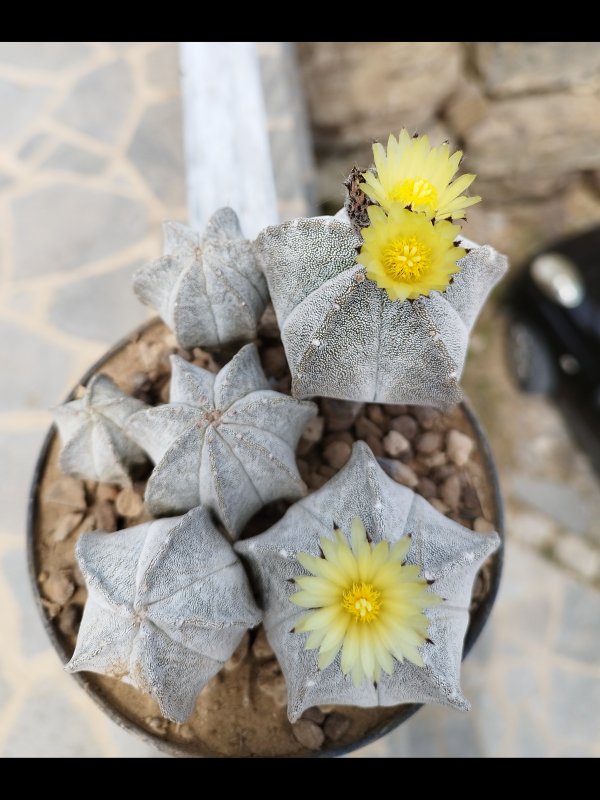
(527, 115)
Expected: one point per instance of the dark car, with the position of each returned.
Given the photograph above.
(554, 326)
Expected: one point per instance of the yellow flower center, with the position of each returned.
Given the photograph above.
(416, 192)
(362, 601)
(406, 259)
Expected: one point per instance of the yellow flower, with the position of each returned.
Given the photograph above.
(414, 174)
(406, 254)
(365, 601)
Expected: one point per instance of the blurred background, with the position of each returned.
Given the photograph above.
(92, 158)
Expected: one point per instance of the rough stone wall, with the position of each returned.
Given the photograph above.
(527, 115)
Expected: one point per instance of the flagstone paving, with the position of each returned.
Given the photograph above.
(91, 160)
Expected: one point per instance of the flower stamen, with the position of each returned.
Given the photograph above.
(362, 601)
(416, 192)
(407, 259)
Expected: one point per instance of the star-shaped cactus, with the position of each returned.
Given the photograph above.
(225, 441)
(448, 556)
(168, 603)
(208, 289)
(344, 338)
(95, 445)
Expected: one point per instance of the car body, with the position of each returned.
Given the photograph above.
(554, 327)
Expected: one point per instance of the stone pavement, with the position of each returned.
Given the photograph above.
(90, 162)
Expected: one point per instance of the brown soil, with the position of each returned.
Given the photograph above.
(242, 711)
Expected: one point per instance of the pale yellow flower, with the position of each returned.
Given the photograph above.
(407, 255)
(364, 601)
(414, 174)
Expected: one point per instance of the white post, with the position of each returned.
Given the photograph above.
(226, 135)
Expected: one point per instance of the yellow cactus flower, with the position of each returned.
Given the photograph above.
(407, 255)
(415, 174)
(364, 601)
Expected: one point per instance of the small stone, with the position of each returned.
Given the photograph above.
(157, 724)
(314, 430)
(406, 425)
(105, 516)
(482, 525)
(365, 427)
(326, 471)
(309, 734)
(340, 414)
(52, 609)
(271, 682)
(67, 492)
(375, 414)
(274, 361)
(78, 576)
(66, 525)
(164, 392)
(375, 445)
(471, 500)
(315, 715)
(399, 472)
(450, 491)
(394, 410)
(439, 474)
(439, 505)
(427, 443)
(185, 732)
(426, 488)
(426, 416)
(69, 619)
(239, 655)
(316, 481)
(339, 436)
(337, 454)
(336, 726)
(303, 469)
(394, 443)
(261, 648)
(434, 460)
(268, 327)
(129, 503)
(106, 492)
(459, 447)
(87, 526)
(59, 587)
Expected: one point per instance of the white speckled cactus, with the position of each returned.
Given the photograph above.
(344, 338)
(168, 604)
(208, 289)
(448, 554)
(226, 441)
(95, 445)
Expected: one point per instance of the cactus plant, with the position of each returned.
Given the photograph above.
(443, 553)
(168, 604)
(226, 442)
(208, 289)
(95, 445)
(343, 336)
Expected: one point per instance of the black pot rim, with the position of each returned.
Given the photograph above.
(476, 624)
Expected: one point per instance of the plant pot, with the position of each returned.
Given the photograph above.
(241, 712)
